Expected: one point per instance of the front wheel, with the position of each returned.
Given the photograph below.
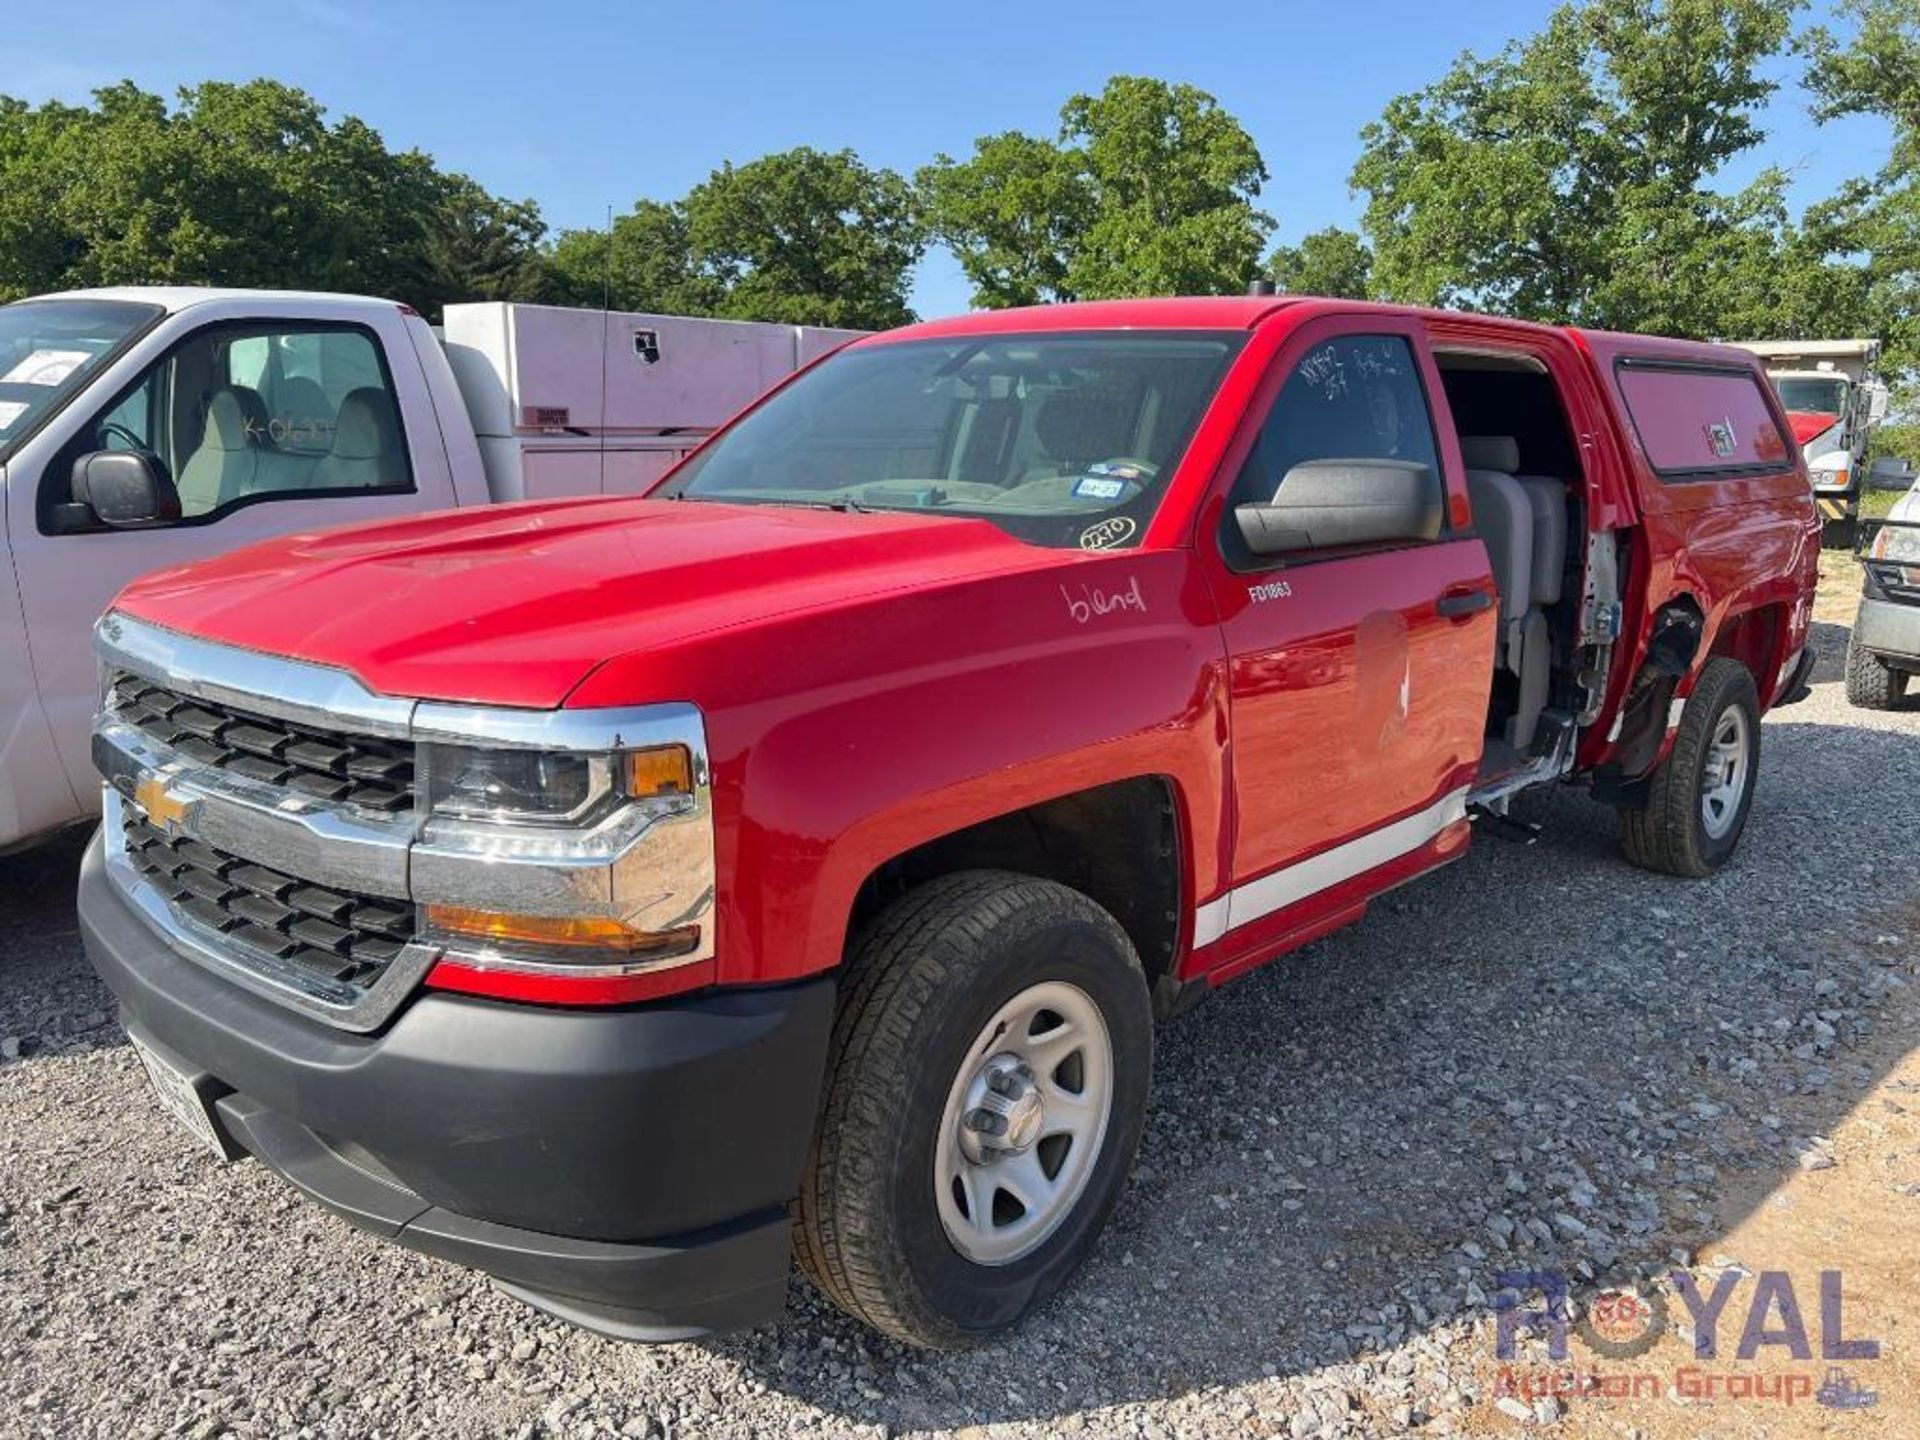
(1872, 684)
(985, 1093)
(1698, 799)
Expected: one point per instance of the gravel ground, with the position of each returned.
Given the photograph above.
(1539, 1057)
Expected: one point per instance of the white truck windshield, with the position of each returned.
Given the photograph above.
(1044, 435)
(1812, 395)
(50, 349)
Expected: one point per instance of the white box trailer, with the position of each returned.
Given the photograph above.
(587, 402)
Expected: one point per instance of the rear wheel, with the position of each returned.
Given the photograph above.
(1698, 799)
(984, 1098)
(1872, 684)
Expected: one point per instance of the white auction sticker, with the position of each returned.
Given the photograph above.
(46, 367)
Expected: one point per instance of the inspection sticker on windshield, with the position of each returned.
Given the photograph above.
(1105, 534)
(45, 367)
(1099, 487)
(10, 411)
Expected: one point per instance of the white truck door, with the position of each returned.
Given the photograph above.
(282, 417)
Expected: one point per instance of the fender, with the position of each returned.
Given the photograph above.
(842, 738)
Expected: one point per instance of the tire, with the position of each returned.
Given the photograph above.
(1872, 684)
(1681, 832)
(922, 988)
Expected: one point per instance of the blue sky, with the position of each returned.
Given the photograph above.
(581, 106)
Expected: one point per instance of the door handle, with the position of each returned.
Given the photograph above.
(1458, 604)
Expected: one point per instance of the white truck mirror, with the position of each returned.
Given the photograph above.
(1876, 398)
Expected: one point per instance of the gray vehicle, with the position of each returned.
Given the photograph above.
(1883, 654)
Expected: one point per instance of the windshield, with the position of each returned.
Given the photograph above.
(49, 349)
(1063, 439)
(1812, 395)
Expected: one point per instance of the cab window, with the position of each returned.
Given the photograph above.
(1701, 422)
(239, 414)
(1358, 397)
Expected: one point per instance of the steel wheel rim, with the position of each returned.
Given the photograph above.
(1042, 1071)
(1723, 779)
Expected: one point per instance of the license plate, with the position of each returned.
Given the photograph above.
(182, 1098)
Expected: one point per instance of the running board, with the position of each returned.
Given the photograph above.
(1492, 795)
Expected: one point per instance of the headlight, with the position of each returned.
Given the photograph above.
(1896, 542)
(564, 865)
(514, 787)
(1832, 471)
(536, 787)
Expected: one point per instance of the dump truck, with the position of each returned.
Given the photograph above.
(1833, 397)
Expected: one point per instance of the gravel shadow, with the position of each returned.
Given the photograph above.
(50, 1000)
(1540, 1058)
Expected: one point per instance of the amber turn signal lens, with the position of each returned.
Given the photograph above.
(580, 932)
(663, 770)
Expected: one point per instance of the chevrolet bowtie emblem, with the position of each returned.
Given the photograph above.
(164, 810)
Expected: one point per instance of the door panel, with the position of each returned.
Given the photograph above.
(222, 417)
(1354, 701)
(1359, 679)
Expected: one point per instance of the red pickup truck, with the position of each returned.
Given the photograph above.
(616, 895)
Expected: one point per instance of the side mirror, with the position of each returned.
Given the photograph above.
(1888, 473)
(127, 489)
(1323, 504)
(1876, 403)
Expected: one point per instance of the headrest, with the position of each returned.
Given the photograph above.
(306, 419)
(227, 417)
(1077, 427)
(1490, 452)
(365, 428)
(299, 398)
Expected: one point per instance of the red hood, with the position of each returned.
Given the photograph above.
(1809, 423)
(515, 604)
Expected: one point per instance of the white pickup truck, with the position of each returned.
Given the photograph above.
(272, 412)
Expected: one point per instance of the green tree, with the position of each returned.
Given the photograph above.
(245, 184)
(1014, 216)
(652, 266)
(1876, 71)
(1332, 262)
(1148, 189)
(1174, 179)
(806, 237)
(1573, 176)
(476, 245)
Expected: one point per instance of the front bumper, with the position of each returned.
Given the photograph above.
(1888, 628)
(627, 1169)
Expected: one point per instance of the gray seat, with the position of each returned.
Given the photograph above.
(1518, 527)
(1503, 515)
(1548, 497)
(225, 464)
(1075, 429)
(306, 417)
(366, 445)
(298, 437)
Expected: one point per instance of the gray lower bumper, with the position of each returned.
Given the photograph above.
(1888, 628)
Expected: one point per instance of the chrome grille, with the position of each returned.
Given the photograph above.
(360, 770)
(329, 935)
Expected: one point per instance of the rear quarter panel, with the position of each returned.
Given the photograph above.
(1732, 542)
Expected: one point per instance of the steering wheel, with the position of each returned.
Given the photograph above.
(119, 431)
